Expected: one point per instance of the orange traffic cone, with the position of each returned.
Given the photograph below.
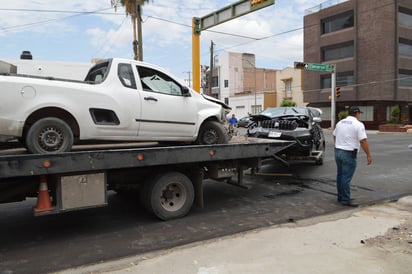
(43, 199)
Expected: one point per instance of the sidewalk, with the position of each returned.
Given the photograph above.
(374, 239)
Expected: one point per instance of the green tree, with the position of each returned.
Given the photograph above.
(342, 114)
(288, 103)
(134, 9)
(395, 114)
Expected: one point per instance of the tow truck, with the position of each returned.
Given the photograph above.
(168, 180)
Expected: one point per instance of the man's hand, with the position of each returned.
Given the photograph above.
(365, 147)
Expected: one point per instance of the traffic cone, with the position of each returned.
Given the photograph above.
(43, 199)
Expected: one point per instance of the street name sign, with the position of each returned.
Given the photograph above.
(320, 67)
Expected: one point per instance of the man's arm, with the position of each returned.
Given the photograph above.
(365, 146)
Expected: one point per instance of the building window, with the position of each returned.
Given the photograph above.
(215, 81)
(226, 83)
(405, 17)
(288, 88)
(325, 82)
(405, 78)
(367, 114)
(405, 47)
(256, 109)
(337, 52)
(338, 22)
(325, 113)
(343, 79)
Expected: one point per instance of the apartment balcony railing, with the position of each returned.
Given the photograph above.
(324, 5)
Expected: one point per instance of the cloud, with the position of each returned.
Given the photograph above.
(167, 30)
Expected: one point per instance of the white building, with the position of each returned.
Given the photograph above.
(248, 89)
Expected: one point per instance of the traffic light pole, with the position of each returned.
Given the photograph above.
(329, 68)
(333, 100)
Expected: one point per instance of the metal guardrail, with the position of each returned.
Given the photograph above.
(324, 5)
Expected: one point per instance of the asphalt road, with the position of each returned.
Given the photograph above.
(46, 244)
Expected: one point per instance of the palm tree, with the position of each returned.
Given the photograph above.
(134, 9)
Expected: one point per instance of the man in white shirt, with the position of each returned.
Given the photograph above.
(348, 135)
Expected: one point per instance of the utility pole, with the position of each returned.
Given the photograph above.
(211, 68)
(189, 74)
(333, 99)
(139, 29)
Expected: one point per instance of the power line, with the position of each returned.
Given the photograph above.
(76, 14)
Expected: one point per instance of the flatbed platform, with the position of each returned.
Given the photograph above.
(131, 155)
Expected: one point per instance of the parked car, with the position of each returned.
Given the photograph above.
(301, 124)
(244, 121)
(119, 100)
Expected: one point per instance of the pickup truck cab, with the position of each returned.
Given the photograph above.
(119, 100)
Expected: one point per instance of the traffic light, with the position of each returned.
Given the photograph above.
(337, 92)
(196, 25)
(300, 65)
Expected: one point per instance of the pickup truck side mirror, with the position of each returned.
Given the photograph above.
(185, 91)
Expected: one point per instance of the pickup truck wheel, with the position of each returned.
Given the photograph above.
(168, 195)
(212, 132)
(49, 135)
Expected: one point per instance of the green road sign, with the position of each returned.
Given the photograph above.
(320, 67)
(230, 12)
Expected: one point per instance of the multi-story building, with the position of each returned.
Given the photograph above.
(370, 42)
(248, 89)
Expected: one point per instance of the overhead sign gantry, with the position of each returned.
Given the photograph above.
(225, 14)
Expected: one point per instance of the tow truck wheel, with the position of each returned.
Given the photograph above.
(49, 135)
(168, 195)
(212, 132)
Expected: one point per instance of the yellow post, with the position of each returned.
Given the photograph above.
(195, 57)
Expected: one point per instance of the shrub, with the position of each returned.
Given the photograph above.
(343, 114)
(288, 103)
(395, 114)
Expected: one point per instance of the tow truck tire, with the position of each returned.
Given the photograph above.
(169, 195)
(212, 132)
(49, 135)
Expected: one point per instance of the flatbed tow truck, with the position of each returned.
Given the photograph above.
(168, 180)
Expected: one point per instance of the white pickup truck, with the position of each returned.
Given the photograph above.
(119, 100)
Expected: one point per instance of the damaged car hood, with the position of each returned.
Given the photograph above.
(214, 100)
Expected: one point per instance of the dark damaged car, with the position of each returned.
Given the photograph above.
(300, 124)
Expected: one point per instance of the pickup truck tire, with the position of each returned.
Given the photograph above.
(168, 195)
(49, 135)
(212, 132)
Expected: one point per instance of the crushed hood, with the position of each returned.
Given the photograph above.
(214, 100)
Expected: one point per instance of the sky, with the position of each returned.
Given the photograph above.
(79, 30)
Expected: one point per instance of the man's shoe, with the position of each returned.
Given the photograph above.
(349, 203)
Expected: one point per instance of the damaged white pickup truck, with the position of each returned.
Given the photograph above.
(119, 100)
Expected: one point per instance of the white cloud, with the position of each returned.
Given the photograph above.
(166, 30)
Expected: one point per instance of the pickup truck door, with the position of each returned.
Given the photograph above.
(167, 111)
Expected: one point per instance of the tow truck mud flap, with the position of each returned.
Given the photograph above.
(81, 191)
